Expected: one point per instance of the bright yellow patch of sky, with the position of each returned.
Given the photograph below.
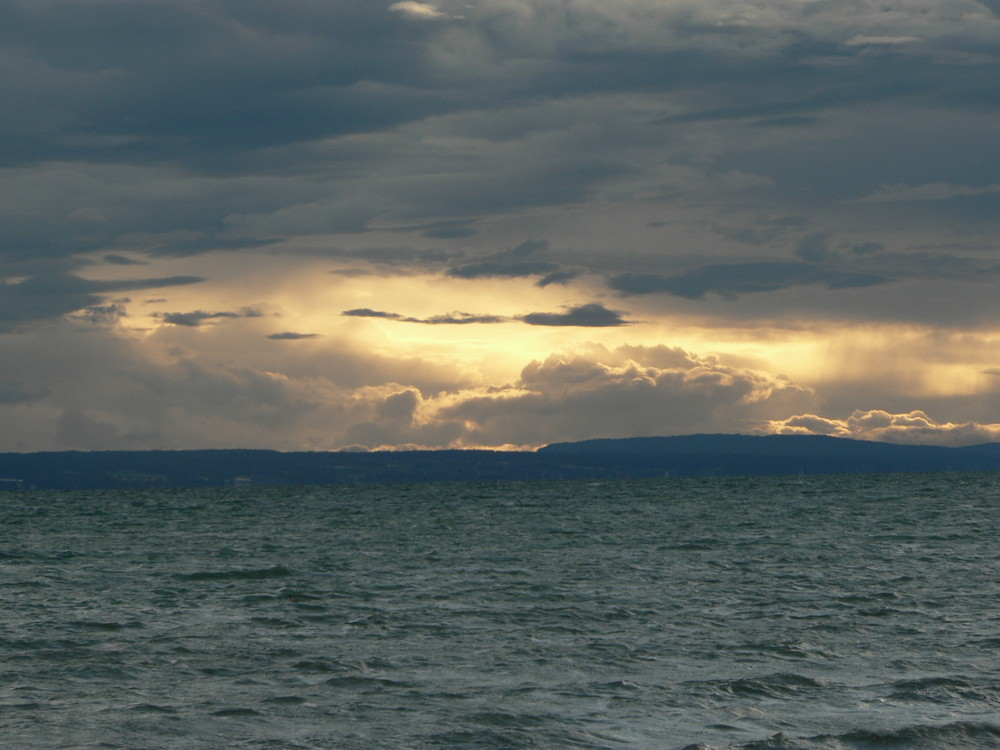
(308, 297)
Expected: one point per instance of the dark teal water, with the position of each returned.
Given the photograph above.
(812, 612)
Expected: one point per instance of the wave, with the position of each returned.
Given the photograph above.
(242, 574)
(236, 712)
(778, 685)
(366, 684)
(956, 736)
(935, 689)
(101, 625)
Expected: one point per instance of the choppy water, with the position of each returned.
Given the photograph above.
(846, 612)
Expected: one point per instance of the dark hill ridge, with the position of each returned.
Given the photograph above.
(686, 455)
(755, 445)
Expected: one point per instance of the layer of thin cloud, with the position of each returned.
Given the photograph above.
(732, 279)
(292, 336)
(862, 40)
(915, 427)
(590, 315)
(420, 11)
(938, 191)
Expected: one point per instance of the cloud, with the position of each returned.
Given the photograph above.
(938, 191)
(50, 295)
(195, 318)
(419, 11)
(12, 392)
(75, 427)
(815, 248)
(525, 249)
(589, 393)
(502, 269)
(914, 428)
(515, 263)
(449, 229)
(866, 248)
(593, 315)
(455, 318)
(458, 318)
(622, 393)
(365, 312)
(102, 315)
(121, 260)
(557, 277)
(732, 279)
(292, 336)
(861, 40)
(75, 386)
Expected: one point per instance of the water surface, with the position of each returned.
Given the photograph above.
(793, 612)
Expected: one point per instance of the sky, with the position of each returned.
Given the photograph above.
(358, 224)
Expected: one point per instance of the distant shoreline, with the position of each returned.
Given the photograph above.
(678, 456)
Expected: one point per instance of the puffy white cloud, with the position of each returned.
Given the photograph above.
(914, 427)
(619, 393)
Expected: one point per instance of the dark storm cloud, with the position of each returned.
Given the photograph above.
(763, 231)
(176, 80)
(446, 230)
(386, 256)
(732, 279)
(49, 296)
(496, 268)
(225, 90)
(121, 260)
(364, 312)
(815, 248)
(524, 249)
(456, 318)
(292, 336)
(195, 318)
(593, 315)
(557, 277)
(516, 263)
(102, 315)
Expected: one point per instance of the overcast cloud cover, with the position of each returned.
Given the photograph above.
(332, 223)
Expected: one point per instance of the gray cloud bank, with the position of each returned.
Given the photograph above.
(235, 124)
